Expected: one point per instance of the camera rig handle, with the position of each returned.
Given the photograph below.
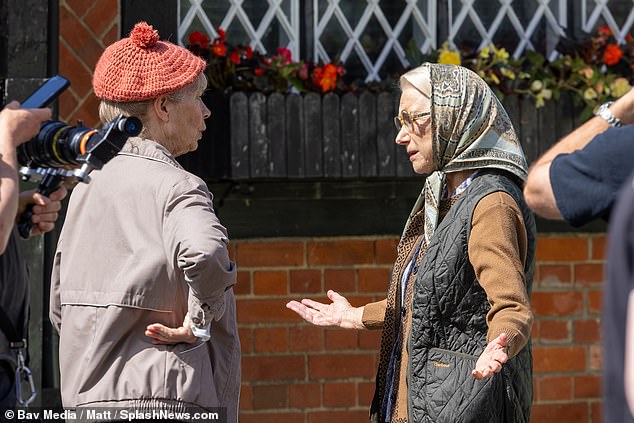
(101, 147)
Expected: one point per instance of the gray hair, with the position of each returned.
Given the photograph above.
(109, 110)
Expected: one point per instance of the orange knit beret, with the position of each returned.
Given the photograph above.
(141, 67)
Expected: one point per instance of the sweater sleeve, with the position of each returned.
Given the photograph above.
(497, 252)
(374, 315)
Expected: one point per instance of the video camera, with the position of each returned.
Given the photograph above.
(61, 153)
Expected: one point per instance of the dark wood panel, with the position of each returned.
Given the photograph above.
(295, 135)
(313, 156)
(386, 132)
(259, 143)
(276, 126)
(367, 135)
(332, 136)
(239, 111)
(350, 135)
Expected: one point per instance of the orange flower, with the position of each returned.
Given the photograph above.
(219, 50)
(329, 79)
(612, 54)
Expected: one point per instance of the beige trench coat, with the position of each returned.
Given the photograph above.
(141, 244)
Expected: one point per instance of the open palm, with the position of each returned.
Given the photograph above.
(339, 313)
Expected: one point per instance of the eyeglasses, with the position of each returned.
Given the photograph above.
(407, 120)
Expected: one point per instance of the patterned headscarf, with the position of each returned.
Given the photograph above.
(470, 130)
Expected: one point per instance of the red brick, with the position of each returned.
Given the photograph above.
(111, 36)
(536, 330)
(270, 368)
(599, 244)
(269, 254)
(588, 273)
(341, 339)
(270, 339)
(557, 303)
(587, 331)
(101, 16)
(554, 274)
(246, 397)
(274, 417)
(365, 394)
(79, 7)
(243, 283)
(347, 416)
(270, 396)
(370, 339)
(555, 388)
(596, 357)
(340, 280)
(562, 249)
(67, 104)
(587, 386)
(270, 282)
(596, 408)
(340, 366)
(306, 338)
(262, 311)
(79, 39)
(246, 339)
(595, 302)
(374, 280)
(88, 110)
(69, 64)
(340, 394)
(572, 412)
(304, 395)
(344, 252)
(305, 281)
(554, 330)
(559, 359)
(385, 250)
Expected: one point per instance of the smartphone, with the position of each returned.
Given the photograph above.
(46, 93)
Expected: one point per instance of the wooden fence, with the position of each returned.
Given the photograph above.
(312, 136)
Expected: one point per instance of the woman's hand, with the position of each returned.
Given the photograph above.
(492, 358)
(162, 335)
(337, 314)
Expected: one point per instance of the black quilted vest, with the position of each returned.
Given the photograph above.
(449, 325)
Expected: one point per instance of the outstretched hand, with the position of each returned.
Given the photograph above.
(339, 313)
(162, 335)
(492, 358)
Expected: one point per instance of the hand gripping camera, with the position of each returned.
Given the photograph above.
(61, 153)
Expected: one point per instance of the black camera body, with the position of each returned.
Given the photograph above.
(61, 153)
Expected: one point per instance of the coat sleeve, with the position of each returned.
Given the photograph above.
(497, 252)
(197, 243)
(55, 303)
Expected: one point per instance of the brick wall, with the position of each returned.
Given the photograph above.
(86, 28)
(298, 373)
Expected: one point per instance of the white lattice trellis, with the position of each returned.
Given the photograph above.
(289, 23)
(425, 21)
(591, 15)
(525, 32)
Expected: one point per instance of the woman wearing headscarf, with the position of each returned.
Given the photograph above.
(456, 321)
(142, 281)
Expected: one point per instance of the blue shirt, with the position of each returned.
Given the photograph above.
(586, 182)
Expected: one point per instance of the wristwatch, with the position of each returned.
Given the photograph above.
(606, 114)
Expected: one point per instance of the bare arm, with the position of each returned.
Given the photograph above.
(16, 127)
(339, 313)
(538, 190)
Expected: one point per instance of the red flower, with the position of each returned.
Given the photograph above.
(317, 74)
(235, 57)
(219, 50)
(248, 52)
(222, 36)
(340, 70)
(628, 38)
(612, 54)
(258, 71)
(604, 31)
(198, 38)
(285, 53)
(303, 72)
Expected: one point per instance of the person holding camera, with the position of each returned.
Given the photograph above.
(142, 280)
(578, 180)
(16, 127)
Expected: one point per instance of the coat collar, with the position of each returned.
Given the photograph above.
(149, 149)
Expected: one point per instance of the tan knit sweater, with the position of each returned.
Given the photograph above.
(497, 251)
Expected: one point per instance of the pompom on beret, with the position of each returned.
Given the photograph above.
(141, 67)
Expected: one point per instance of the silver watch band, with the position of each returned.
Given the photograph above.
(605, 113)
